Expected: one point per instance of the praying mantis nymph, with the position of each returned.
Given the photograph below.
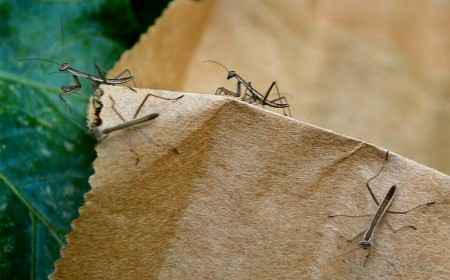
(254, 96)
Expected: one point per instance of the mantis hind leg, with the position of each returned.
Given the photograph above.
(103, 76)
(273, 103)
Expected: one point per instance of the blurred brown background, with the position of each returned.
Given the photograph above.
(378, 71)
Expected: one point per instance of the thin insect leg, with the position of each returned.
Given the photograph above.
(391, 264)
(67, 90)
(282, 98)
(129, 73)
(65, 102)
(376, 175)
(225, 92)
(95, 85)
(140, 106)
(130, 88)
(238, 89)
(249, 98)
(165, 98)
(348, 216)
(285, 102)
(154, 95)
(406, 212)
(367, 257)
(268, 92)
(346, 253)
(123, 72)
(376, 201)
(151, 141)
(168, 146)
(113, 106)
(100, 73)
(220, 90)
(128, 135)
(279, 95)
(354, 238)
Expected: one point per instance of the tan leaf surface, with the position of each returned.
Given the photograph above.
(225, 190)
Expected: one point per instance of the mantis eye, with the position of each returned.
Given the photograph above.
(64, 66)
(231, 74)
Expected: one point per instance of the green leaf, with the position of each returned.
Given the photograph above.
(45, 154)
